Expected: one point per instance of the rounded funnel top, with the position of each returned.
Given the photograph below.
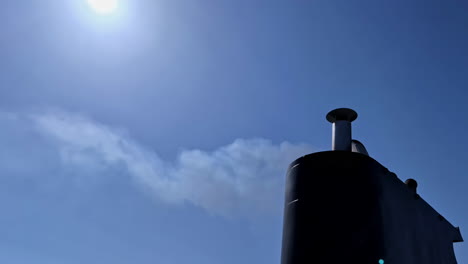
(344, 114)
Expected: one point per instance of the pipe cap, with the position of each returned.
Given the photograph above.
(342, 114)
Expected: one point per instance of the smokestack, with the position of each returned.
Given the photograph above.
(345, 207)
(341, 119)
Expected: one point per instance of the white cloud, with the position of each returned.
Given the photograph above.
(245, 176)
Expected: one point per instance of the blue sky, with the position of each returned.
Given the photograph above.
(161, 133)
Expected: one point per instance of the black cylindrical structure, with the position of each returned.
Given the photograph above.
(342, 206)
(332, 212)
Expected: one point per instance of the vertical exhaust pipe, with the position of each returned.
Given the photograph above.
(341, 119)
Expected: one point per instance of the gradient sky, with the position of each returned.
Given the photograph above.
(159, 134)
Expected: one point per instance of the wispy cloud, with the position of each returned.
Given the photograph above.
(242, 177)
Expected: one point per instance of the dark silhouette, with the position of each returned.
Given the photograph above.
(342, 206)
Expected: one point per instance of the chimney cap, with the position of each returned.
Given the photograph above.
(342, 114)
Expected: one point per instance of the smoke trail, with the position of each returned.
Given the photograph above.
(242, 177)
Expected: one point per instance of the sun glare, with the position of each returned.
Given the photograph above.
(103, 6)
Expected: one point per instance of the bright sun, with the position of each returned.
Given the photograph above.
(103, 6)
